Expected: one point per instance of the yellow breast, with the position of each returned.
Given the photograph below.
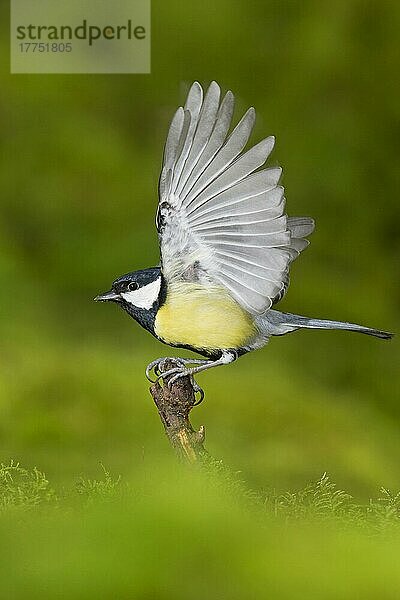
(202, 317)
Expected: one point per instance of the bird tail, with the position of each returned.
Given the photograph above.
(298, 322)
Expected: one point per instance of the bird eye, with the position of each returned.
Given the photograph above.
(133, 286)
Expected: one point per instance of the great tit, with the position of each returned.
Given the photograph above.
(226, 243)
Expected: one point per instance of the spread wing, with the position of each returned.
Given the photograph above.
(219, 219)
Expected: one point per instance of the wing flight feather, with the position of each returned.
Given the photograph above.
(219, 218)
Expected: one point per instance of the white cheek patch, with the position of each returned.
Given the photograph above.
(145, 296)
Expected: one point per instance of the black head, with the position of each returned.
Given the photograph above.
(139, 293)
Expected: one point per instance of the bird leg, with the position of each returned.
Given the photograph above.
(157, 365)
(227, 356)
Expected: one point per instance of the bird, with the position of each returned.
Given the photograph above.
(226, 244)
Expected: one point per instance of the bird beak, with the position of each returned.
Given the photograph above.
(107, 297)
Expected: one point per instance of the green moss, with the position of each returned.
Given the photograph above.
(23, 489)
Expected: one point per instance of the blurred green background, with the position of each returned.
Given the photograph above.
(78, 187)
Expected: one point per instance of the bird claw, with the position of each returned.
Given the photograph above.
(157, 367)
(150, 367)
(180, 372)
(176, 373)
(164, 374)
(197, 390)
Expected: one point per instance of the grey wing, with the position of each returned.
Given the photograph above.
(218, 217)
